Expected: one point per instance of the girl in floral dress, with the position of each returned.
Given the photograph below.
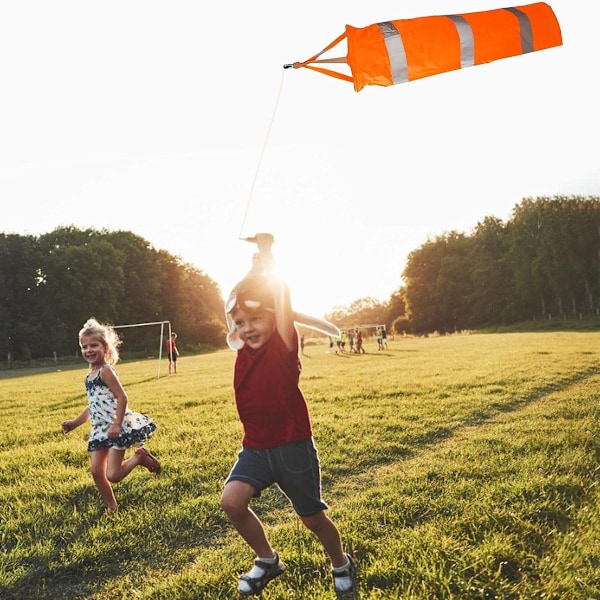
(115, 427)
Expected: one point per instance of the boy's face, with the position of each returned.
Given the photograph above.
(255, 327)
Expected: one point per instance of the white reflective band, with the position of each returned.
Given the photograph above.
(396, 52)
(467, 43)
(526, 30)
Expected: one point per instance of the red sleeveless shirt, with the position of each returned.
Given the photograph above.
(269, 402)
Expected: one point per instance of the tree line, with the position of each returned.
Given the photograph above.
(543, 263)
(52, 283)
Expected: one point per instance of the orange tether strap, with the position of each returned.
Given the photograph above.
(313, 59)
(325, 71)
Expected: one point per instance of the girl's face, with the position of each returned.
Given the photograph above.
(92, 350)
(254, 327)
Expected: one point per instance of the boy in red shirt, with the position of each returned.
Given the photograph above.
(277, 428)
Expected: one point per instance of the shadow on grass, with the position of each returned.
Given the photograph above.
(96, 548)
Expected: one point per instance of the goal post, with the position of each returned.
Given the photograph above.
(161, 338)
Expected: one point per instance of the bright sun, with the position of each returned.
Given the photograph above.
(312, 285)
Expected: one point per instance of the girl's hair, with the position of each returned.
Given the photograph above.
(106, 334)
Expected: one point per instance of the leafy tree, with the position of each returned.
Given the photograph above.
(396, 309)
(544, 262)
(361, 312)
(19, 295)
(491, 282)
(454, 282)
(438, 285)
(420, 274)
(554, 255)
(140, 294)
(52, 284)
(203, 316)
(82, 276)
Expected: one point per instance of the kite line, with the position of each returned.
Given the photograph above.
(262, 152)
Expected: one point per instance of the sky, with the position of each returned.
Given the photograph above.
(176, 121)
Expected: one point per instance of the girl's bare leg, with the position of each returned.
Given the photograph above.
(98, 461)
(117, 468)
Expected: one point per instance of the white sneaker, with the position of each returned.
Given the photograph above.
(253, 582)
(344, 578)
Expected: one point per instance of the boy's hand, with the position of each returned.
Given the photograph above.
(262, 261)
(67, 426)
(264, 241)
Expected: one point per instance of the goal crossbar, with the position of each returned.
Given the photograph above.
(160, 342)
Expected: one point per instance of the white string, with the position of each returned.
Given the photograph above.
(261, 158)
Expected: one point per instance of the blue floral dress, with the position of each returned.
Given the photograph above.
(102, 406)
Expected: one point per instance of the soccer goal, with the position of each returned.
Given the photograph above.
(162, 324)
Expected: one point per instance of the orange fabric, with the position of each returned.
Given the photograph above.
(432, 44)
(367, 57)
(497, 35)
(546, 30)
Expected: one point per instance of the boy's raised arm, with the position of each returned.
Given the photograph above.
(284, 315)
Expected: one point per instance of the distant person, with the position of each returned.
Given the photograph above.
(383, 338)
(302, 343)
(379, 339)
(351, 340)
(172, 353)
(331, 344)
(359, 342)
(277, 428)
(115, 427)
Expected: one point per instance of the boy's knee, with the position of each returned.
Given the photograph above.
(314, 522)
(229, 505)
(233, 505)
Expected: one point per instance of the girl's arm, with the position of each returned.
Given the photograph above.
(71, 424)
(111, 379)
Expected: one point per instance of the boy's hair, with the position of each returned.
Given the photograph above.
(251, 293)
(106, 334)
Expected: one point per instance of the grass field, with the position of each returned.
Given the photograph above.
(462, 466)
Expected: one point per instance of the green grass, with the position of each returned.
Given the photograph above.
(456, 467)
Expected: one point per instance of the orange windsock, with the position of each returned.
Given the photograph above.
(399, 51)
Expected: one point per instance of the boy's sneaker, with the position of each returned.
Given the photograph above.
(253, 582)
(344, 579)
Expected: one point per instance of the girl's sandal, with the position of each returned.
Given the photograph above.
(258, 583)
(150, 462)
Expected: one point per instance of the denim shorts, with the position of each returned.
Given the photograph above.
(294, 467)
